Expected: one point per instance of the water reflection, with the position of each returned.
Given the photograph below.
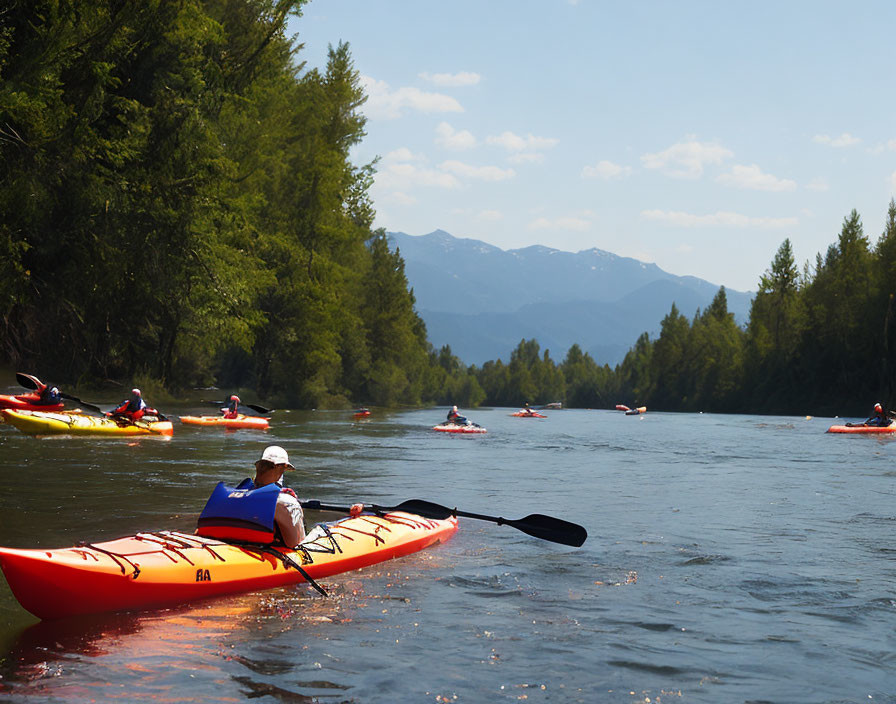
(729, 559)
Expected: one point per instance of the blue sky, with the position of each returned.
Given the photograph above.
(696, 135)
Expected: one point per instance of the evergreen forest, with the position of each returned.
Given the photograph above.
(178, 206)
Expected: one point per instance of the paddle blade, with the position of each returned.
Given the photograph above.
(88, 406)
(426, 509)
(258, 409)
(28, 381)
(555, 530)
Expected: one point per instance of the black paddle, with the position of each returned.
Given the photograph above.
(257, 409)
(28, 381)
(88, 406)
(537, 525)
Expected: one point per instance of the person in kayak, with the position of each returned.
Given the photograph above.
(455, 417)
(288, 516)
(44, 394)
(233, 407)
(241, 513)
(880, 419)
(528, 411)
(132, 408)
(48, 396)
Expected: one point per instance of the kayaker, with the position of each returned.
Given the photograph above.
(454, 417)
(233, 407)
(132, 408)
(245, 510)
(880, 419)
(49, 396)
(528, 411)
(288, 515)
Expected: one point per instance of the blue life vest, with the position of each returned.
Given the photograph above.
(240, 513)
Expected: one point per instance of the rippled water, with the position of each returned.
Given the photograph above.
(729, 559)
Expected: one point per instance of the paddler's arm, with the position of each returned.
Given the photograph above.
(289, 519)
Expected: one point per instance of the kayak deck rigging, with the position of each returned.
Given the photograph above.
(157, 569)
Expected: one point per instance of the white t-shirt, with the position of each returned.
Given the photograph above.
(290, 519)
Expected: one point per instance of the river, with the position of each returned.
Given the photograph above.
(729, 559)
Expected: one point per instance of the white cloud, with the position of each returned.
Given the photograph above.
(403, 154)
(605, 170)
(751, 177)
(888, 146)
(448, 137)
(490, 216)
(818, 184)
(719, 219)
(526, 158)
(576, 224)
(480, 173)
(403, 198)
(530, 143)
(844, 140)
(385, 103)
(687, 159)
(402, 170)
(453, 80)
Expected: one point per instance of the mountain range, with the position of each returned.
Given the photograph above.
(482, 300)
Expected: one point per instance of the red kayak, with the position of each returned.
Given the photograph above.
(862, 428)
(28, 402)
(458, 428)
(151, 570)
(524, 414)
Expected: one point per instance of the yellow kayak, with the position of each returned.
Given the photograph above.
(39, 423)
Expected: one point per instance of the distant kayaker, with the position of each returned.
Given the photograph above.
(48, 396)
(233, 407)
(455, 417)
(528, 411)
(880, 419)
(132, 408)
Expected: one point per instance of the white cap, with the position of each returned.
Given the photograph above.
(277, 455)
(454, 408)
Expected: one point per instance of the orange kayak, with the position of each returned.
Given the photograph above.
(523, 414)
(241, 421)
(862, 428)
(151, 570)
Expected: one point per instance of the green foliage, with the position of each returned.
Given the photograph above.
(178, 203)
(820, 341)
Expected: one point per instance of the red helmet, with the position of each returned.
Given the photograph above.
(235, 398)
(878, 408)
